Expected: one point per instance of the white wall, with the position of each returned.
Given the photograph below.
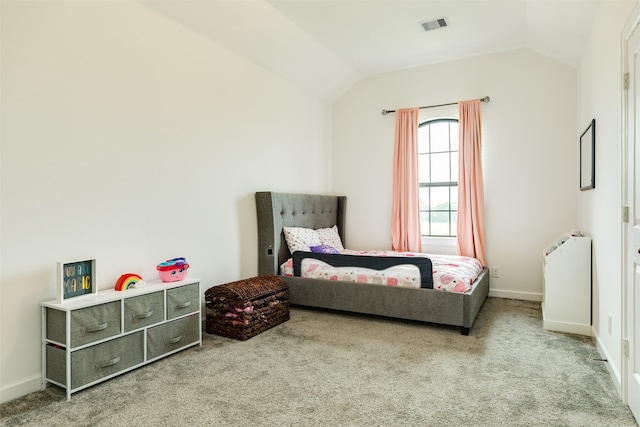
(529, 154)
(599, 97)
(130, 139)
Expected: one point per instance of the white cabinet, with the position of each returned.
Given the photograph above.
(566, 290)
(89, 339)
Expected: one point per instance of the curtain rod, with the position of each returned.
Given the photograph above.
(385, 112)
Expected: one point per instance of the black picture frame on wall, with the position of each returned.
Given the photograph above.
(588, 157)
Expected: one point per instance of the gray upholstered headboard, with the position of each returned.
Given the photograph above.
(277, 210)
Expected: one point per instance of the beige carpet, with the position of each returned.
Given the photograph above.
(325, 368)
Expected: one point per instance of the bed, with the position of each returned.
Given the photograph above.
(275, 211)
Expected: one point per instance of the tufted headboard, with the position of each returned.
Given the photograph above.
(277, 210)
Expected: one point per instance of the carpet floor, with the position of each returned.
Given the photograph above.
(324, 368)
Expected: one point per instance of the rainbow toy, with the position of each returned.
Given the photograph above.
(129, 280)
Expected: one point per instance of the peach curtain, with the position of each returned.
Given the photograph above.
(405, 214)
(471, 237)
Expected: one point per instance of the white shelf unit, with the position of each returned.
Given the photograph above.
(566, 289)
(92, 338)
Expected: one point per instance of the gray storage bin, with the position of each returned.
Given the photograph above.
(56, 325)
(98, 361)
(95, 323)
(56, 365)
(170, 336)
(183, 300)
(143, 311)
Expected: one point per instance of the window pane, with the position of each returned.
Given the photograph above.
(454, 219)
(454, 166)
(440, 224)
(439, 137)
(424, 223)
(423, 168)
(454, 136)
(423, 194)
(454, 198)
(423, 139)
(440, 167)
(439, 198)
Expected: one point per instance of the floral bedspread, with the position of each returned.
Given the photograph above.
(451, 273)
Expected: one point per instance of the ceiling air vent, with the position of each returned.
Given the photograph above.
(434, 24)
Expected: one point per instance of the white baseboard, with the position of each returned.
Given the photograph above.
(16, 390)
(527, 296)
(571, 328)
(615, 375)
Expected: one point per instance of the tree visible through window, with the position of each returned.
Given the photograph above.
(438, 177)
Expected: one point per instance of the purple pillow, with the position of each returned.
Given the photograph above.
(326, 249)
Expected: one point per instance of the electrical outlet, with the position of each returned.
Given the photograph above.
(609, 323)
(495, 272)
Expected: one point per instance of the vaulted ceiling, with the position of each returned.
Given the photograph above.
(325, 45)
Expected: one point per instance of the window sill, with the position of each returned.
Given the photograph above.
(440, 245)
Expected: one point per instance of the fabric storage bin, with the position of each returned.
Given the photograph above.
(95, 362)
(110, 357)
(183, 300)
(56, 364)
(246, 308)
(172, 335)
(95, 323)
(87, 324)
(143, 311)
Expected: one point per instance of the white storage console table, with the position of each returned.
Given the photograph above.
(566, 289)
(91, 338)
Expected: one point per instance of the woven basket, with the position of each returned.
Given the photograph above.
(246, 308)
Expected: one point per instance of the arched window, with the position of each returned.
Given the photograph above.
(438, 177)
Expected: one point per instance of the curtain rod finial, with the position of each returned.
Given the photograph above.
(485, 99)
(385, 112)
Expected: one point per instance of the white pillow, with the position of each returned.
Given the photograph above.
(301, 239)
(330, 237)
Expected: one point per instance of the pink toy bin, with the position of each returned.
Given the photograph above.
(173, 270)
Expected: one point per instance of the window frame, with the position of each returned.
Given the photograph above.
(440, 242)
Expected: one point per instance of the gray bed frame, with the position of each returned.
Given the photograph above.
(277, 210)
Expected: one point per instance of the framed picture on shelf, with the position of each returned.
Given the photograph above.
(76, 278)
(588, 157)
